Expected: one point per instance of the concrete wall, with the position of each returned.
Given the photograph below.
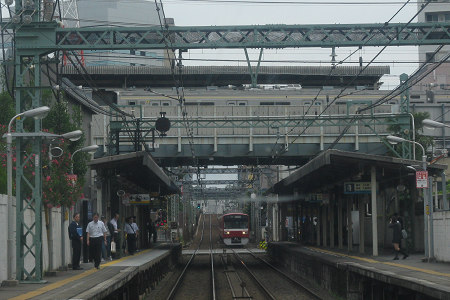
(29, 260)
(441, 234)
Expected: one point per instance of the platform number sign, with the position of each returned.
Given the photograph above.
(422, 179)
(357, 187)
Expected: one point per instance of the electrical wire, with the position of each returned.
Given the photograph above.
(180, 95)
(353, 80)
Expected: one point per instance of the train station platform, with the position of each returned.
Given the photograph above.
(125, 278)
(358, 276)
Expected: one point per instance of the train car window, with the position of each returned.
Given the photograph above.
(235, 222)
(231, 102)
(131, 102)
(307, 103)
(155, 104)
(206, 103)
(318, 103)
(166, 104)
(242, 103)
(266, 103)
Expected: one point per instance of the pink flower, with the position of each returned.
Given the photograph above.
(47, 178)
(58, 206)
(33, 173)
(49, 205)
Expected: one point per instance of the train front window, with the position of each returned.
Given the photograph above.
(235, 222)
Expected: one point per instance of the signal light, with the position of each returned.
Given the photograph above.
(198, 206)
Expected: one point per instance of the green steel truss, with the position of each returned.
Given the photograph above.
(48, 37)
(369, 121)
(129, 131)
(38, 38)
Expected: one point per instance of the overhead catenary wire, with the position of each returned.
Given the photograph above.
(360, 72)
(412, 80)
(180, 94)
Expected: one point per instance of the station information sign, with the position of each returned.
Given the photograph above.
(357, 187)
(422, 179)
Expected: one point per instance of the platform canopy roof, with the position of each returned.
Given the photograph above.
(138, 170)
(334, 167)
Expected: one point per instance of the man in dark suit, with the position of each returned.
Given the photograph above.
(76, 236)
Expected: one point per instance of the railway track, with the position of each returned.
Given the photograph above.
(232, 275)
(197, 279)
(271, 282)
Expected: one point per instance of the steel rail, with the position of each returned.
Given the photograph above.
(261, 285)
(213, 283)
(230, 284)
(286, 276)
(180, 278)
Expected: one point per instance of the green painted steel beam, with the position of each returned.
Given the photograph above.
(270, 122)
(48, 37)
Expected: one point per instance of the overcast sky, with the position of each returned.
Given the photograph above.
(209, 12)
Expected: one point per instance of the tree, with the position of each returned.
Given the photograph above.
(398, 130)
(58, 187)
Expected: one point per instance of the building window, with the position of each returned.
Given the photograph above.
(142, 53)
(432, 17)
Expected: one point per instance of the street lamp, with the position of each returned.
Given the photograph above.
(89, 149)
(434, 124)
(427, 221)
(56, 152)
(37, 113)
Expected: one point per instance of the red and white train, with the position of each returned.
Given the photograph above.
(234, 229)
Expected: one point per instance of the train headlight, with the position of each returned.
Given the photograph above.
(243, 232)
(227, 232)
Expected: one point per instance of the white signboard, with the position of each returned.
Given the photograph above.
(422, 179)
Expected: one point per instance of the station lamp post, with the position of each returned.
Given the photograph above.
(434, 124)
(426, 197)
(89, 149)
(37, 113)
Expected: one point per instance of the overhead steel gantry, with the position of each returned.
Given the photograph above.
(35, 37)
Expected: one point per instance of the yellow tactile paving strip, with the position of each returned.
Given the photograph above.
(60, 283)
(370, 260)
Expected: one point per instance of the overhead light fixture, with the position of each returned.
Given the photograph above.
(395, 139)
(73, 135)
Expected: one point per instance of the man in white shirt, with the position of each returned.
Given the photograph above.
(96, 233)
(131, 235)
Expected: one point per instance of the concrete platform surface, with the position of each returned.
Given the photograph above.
(411, 272)
(69, 284)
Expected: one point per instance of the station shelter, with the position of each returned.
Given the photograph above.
(132, 184)
(345, 199)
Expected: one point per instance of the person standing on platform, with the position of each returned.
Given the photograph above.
(76, 236)
(397, 237)
(96, 235)
(115, 236)
(131, 236)
(136, 229)
(106, 249)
